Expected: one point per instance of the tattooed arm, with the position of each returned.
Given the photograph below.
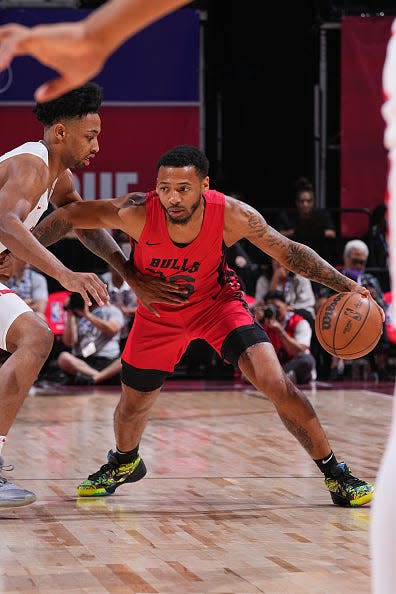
(242, 220)
(126, 213)
(97, 241)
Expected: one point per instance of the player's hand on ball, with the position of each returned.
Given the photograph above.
(365, 292)
(362, 290)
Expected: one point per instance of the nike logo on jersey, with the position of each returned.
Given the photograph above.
(149, 243)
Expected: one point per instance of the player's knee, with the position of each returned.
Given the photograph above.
(133, 402)
(43, 340)
(32, 333)
(276, 388)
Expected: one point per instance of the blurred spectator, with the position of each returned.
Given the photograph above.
(123, 241)
(122, 296)
(307, 224)
(296, 289)
(32, 287)
(93, 335)
(240, 261)
(290, 335)
(378, 243)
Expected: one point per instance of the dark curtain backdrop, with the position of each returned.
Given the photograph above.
(260, 66)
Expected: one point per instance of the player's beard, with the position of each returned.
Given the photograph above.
(187, 218)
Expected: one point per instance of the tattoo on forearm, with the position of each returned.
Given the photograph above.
(299, 432)
(102, 244)
(49, 232)
(297, 257)
(256, 222)
(135, 199)
(303, 260)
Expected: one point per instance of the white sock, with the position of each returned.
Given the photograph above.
(2, 442)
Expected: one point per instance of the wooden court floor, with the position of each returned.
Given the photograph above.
(231, 503)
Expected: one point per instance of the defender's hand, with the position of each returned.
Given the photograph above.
(88, 285)
(64, 47)
(150, 289)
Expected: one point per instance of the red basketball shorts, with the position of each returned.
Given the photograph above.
(159, 343)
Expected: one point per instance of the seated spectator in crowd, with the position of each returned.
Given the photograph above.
(377, 240)
(290, 335)
(247, 270)
(93, 335)
(122, 296)
(243, 258)
(355, 257)
(32, 287)
(307, 224)
(296, 289)
(123, 241)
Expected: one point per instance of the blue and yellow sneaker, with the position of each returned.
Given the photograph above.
(347, 490)
(110, 476)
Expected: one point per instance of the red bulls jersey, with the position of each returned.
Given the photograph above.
(200, 266)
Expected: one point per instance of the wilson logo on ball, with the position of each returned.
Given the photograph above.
(327, 316)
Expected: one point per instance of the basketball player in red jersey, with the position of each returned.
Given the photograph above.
(32, 176)
(179, 233)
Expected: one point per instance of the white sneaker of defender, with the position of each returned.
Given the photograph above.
(11, 495)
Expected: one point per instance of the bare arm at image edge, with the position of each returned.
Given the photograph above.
(78, 51)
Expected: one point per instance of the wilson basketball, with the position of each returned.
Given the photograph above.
(348, 325)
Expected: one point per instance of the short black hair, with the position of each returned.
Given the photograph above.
(185, 155)
(275, 294)
(303, 184)
(75, 104)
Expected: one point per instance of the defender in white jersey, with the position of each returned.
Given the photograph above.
(31, 175)
(383, 520)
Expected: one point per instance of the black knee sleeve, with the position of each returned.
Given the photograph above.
(143, 380)
(237, 341)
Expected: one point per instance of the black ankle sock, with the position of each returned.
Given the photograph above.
(125, 457)
(325, 464)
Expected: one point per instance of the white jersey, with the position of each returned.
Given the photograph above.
(40, 150)
(389, 115)
(383, 516)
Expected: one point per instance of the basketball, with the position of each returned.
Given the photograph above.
(348, 325)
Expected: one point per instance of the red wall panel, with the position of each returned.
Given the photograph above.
(131, 141)
(363, 157)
